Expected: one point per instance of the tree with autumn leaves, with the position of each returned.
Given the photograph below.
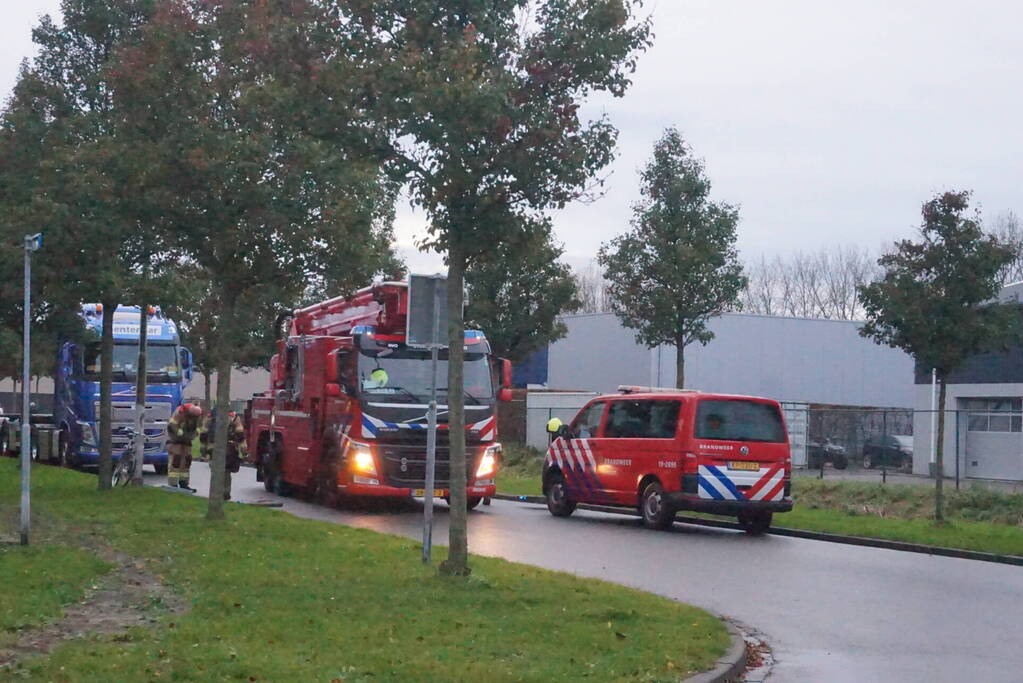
(937, 300)
(480, 104)
(274, 136)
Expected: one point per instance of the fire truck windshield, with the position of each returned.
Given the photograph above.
(403, 376)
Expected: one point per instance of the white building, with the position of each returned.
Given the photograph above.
(983, 436)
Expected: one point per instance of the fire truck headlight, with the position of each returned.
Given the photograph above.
(362, 460)
(488, 463)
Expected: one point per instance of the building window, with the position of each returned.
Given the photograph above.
(993, 414)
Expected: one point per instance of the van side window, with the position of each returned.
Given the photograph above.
(588, 422)
(642, 420)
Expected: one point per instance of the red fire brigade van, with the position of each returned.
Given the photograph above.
(665, 450)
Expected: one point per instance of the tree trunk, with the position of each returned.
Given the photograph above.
(680, 363)
(215, 508)
(206, 375)
(141, 378)
(939, 455)
(457, 563)
(106, 378)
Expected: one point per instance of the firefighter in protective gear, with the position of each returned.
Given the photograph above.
(181, 431)
(206, 438)
(235, 450)
(235, 446)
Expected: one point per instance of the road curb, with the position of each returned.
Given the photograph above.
(731, 665)
(903, 546)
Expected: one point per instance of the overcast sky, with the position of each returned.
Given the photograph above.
(828, 123)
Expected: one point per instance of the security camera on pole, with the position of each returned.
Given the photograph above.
(32, 243)
(427, 328)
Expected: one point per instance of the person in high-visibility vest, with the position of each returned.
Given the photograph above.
(181, 431)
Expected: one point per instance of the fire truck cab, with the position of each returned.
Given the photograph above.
(346, 413)
(666, 450)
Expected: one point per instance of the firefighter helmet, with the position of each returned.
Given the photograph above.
(378, 378)
(553, 425)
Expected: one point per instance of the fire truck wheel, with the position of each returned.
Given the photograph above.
(280, 487)
(558, 502)
(657, 514)
(755, 523)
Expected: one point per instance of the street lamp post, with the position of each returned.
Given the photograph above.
(32, 243)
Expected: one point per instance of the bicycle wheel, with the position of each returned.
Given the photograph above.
(122, 472)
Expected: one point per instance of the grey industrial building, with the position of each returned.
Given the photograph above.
(789, 359)
(798, 361)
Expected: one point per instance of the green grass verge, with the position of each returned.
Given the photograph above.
(39, 580)
(520, 471)
(273, 598)
(978, 519)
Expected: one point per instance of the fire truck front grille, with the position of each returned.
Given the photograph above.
(405, 466)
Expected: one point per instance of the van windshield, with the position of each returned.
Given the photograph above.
(738, 420)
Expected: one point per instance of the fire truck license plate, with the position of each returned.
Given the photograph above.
(419, 493)
(743, 465)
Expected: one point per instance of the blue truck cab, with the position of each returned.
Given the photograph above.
(76, 400)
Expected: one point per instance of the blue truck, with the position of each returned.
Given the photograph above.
(76, 391)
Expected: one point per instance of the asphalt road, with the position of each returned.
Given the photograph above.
(830, 612)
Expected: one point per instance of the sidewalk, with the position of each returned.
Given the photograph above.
(896, 477)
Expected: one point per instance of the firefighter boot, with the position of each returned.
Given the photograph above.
(184, 484)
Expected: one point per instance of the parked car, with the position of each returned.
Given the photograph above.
(822, 452)
(892, 450)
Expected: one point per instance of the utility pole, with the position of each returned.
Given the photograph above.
(32, 243)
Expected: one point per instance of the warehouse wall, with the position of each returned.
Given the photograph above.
(789, 359)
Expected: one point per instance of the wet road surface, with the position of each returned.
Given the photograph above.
(830, 612)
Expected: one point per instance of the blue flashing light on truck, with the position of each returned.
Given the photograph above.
(76, 391)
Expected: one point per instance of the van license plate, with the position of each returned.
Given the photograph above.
(419, 493)
(744, 465)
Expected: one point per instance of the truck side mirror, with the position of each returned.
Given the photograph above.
(506, 374)
(332, 389)
(504, 395)
(186, 364)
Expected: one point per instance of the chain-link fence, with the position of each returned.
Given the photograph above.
(859, 442)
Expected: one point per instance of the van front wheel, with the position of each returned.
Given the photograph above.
(755, 523)
(558, 502)
(657, 513)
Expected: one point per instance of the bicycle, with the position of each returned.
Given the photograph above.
(124, 468)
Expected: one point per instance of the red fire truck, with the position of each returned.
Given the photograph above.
(346, 413)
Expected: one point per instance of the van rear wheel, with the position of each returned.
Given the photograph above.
(755, 523)
(657, 513)
(558, 502)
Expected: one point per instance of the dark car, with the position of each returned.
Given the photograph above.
(893, 450)
(821, 452)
